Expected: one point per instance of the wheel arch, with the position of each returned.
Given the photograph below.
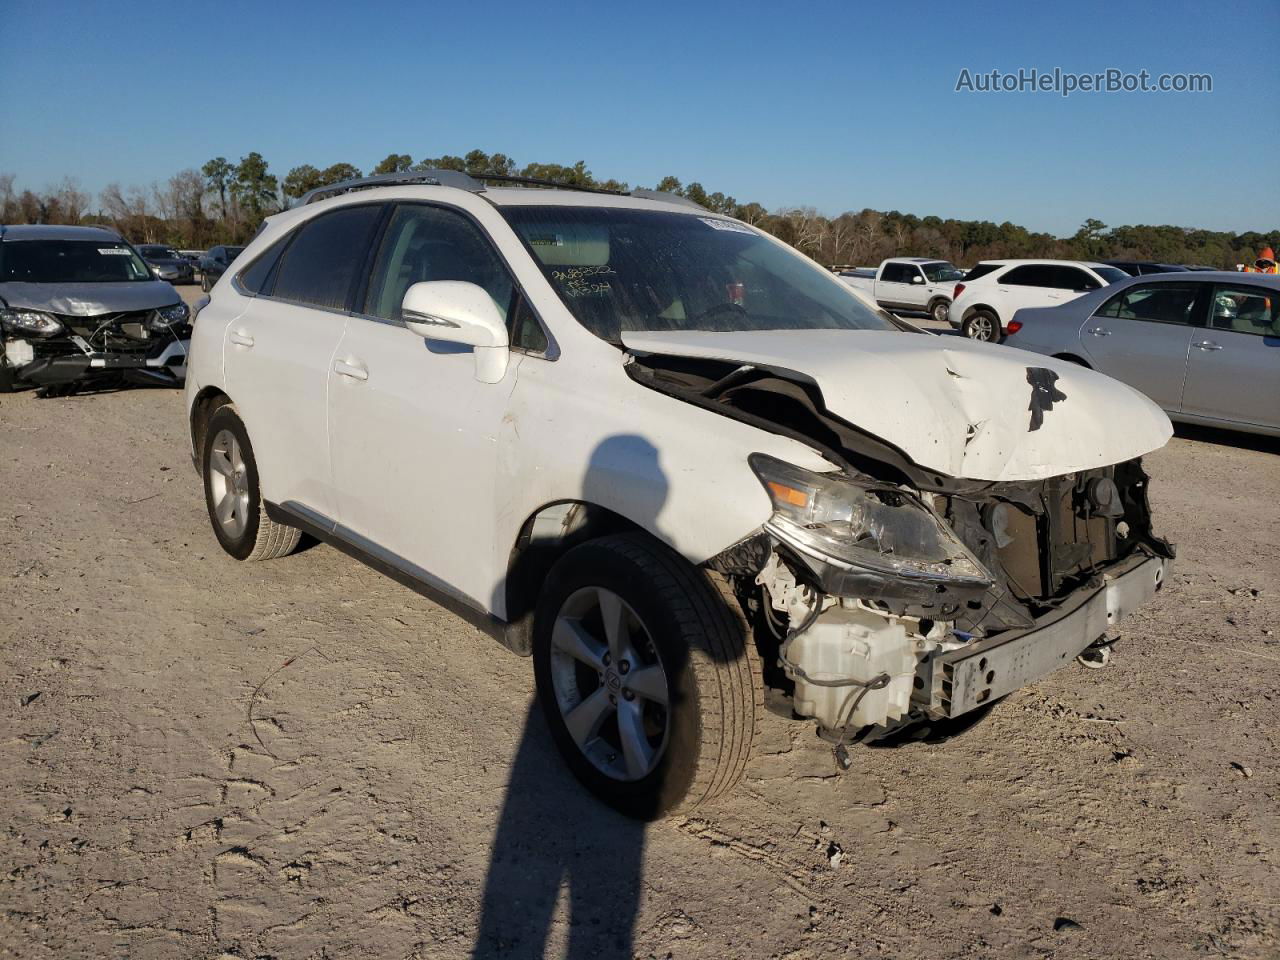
(1073, 358)
(970, 311)
(206, 401)
(546, 535)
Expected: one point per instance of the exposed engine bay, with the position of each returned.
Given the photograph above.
(884, 593)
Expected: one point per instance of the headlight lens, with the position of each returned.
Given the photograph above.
(871, 526)
(32, 322)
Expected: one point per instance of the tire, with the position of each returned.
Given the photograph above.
(983, 325)
(939, 311)
(682, 620)
(204, 282)
(231, 476)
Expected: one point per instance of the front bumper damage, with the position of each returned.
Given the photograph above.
(63, 361)
(958, 681)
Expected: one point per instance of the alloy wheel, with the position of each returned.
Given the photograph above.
(609, 684)
(229, 484)
(981, 327)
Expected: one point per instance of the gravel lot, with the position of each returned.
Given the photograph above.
(303, 759)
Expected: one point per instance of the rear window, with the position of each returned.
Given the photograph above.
(319, 266)
(1110, 274)
(981, 270)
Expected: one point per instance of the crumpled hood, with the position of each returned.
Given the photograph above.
(970, 410)
(89, 299)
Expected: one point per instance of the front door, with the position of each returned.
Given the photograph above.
(1233, 369)
(414, 432)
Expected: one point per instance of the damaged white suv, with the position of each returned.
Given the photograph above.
(675, 461)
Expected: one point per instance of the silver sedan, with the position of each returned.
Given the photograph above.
(1204, 345)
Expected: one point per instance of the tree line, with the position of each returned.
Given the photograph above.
(224, 202)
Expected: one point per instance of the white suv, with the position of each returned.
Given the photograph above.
(670, 458)
(993, 291)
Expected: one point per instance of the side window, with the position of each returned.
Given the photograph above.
(430, 243)
(1073, 278)
(325, 256)
(254, 278)
(1155, 303)
(914, 272)
(981, 270)
(895, 273)
(1029, 275)
(1244, 309)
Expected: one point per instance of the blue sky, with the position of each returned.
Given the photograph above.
(838, 106)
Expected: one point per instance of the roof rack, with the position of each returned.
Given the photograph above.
(431, 178)
(473, 184)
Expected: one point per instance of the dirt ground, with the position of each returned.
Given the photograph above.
(302, 759)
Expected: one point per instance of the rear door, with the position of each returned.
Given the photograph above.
(279, 351)
(1141, 336)
(1233, 368)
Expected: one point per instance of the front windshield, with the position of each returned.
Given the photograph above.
(621, 270)
(70, 261)
(941, 271)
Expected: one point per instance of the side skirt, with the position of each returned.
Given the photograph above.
(389, 565)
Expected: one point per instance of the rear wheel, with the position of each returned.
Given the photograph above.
(983, 325)
(204, 282)
(645, 675)
(939, 311)
(233, 496)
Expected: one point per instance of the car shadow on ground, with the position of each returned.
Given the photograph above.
(555, 839)
(1227, 438)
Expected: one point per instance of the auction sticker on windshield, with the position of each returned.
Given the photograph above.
(729, 225)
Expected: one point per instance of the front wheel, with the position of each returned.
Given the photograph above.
(982, 326)
(645, 675)
(204, 282)
(233, 496)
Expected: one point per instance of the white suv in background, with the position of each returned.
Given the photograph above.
(984, 303)
(671, 459)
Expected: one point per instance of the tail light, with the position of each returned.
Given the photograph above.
(1013, 326)
(955, 294)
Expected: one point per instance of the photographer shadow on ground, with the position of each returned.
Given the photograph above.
(553, 835)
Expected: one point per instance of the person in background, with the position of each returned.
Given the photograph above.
(1266, 262)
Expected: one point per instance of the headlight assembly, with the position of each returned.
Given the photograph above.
(861, 525)
(166, 317)
(30, 322)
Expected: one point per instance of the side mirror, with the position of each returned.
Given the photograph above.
(916, 278)
(459, 312)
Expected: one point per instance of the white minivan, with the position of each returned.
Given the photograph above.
(672, 460)
(993, 291)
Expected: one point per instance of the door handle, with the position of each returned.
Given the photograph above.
(1207, 345)
(355, 369)
(241, 339)
(1100, 332)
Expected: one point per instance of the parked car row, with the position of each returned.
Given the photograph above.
(692, 464)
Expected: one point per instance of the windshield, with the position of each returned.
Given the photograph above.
(152, 252)
(941, 271)
(1110, 274)
(70, 261)
(620, 270)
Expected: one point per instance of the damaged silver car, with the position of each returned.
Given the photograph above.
(79, 306)
(678, 464)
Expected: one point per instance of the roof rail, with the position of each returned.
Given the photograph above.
(666, 197)
(475, 184)
(432, 178)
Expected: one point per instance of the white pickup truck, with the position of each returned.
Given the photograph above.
(909, 285)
